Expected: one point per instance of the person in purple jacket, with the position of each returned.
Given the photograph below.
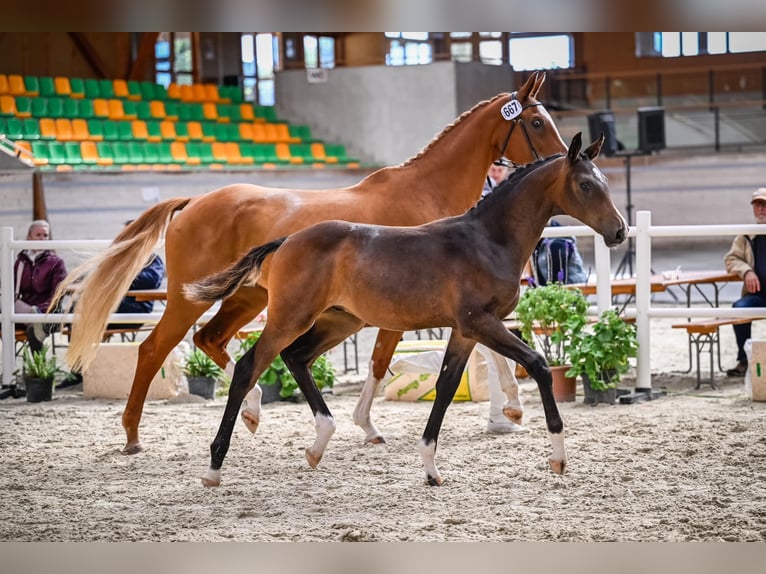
(37, 273)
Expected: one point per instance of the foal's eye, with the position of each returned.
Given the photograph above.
(537, 123)
(586, 186)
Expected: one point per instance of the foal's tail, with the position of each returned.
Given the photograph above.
(98, 284)
(224, 283)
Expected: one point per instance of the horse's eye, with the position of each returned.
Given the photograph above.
(585, 186)
(537, 123)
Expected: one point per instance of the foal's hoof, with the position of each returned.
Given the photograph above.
(375, 440)
(251, 420)
(312, 458)
(211, 478)
(513, 414)
(434, 480)
(557, 466)
(132, 448)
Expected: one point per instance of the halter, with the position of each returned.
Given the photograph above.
(506, 162)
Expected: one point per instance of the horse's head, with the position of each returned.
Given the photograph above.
(586, 193)
(531, 131)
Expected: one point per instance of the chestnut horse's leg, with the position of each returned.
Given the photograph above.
(385, 345)
(455, 359)
(327, 332)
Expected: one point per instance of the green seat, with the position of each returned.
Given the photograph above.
(196, 112)
(124, 131)
(105, 150)
(160, 93)
(143, 110)
(339, 151)
(77, 86)
(120, 150)
(193, 151)
(171, 109)
(55, 107)
(147, 90)
(205, 152)
(184, 111)
(39, 107)
(234, 93)
(224, 111)
(110, 130)
(166, 156)
(72, 151)
(235, 114)
(40, 150)
(130, 109)
(57, 153)
(267, 113)
(134, 89)
(96, 128)
(86, 109)
(92, 88)
(153, 129)
(136, 152)
(221, 132)
(151, 152)
(247, 149)
(3, 127)
(71, 108)
(182, 130)
(106, 87)
(31, 129)
(269, 151)
(14, 129)
(234, 134)
(209, 130)
(301, 132)
(302, 150)
(47, 87)
(32, 85)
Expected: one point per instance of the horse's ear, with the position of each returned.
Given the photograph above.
(538, 84)
(574, 147)
(594, 149)
(528, 90)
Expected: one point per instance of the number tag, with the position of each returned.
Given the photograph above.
(511, 109)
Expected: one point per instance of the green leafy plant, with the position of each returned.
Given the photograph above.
(198, 364)
(322, 371)
(37, 365)
(550, 317)
(603, 352)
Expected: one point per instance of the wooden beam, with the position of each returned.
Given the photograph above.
(90, 54)
(145, 56)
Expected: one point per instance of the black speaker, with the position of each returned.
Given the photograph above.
(651, 129)
(603, 123)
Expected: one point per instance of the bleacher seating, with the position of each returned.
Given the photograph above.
(74, 123)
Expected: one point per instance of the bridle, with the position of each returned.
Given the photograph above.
(502, 160)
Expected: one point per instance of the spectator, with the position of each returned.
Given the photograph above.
(747, 258)
(37, 273)
(557, 260)
(496, 174)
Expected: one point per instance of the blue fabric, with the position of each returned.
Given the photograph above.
(743, 331)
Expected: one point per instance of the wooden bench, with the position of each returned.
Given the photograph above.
(704, 336)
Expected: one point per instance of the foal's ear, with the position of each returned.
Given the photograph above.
(574, 147)
(594, 149)
(531, 86)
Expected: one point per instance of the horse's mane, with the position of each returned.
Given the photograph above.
(510, 183)
(449, 128)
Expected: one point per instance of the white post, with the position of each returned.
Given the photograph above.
(603, 273)
(6, 301)
(643, 299)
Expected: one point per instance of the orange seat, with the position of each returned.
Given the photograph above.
(100, 108)
(168, 131)
(259, 133)
(178, 152)
(157, 109)
(139, 129)
(4, 88)
(7, 105)
(174, 91)
(48, 128)
(16, 85)
(210, 111)
(271, 132)
(211, 93)
(318, 151)
(219, 151)
(246, 132)
(89, 152)
(63, 129)
(198, 93)
(195, 130)
(234, 155)
(246, 111)
(120, 88)
(283, 134)
(187, 93)
(283, 153)
(116, 110)
(80, 129)
(63, 87)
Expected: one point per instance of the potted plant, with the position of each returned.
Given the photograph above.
(39, 371)
(278, 382)
(202, 373)
(551, 316)
(600, 356)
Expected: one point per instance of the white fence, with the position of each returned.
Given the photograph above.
(642, 232)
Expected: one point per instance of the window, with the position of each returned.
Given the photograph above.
(173, 62)
(540, 52)
(258, 64)
(408, 48)
(677, 44)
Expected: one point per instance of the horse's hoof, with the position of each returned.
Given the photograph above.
(132, 448)
(376, 440)
(312, 459)
(251, 420)
(557, 466)
(211, 478)
(513, 414)
(434, 480)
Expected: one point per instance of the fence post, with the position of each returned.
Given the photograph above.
(603, 273)
(6, 303)
(643, 300)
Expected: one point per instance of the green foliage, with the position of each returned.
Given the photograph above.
(38, 365)
(602, 354)
(322, 371)
(551, 316)
(198, 364)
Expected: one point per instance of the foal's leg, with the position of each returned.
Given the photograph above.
(455, 359)
(385, 345)
(299, 357)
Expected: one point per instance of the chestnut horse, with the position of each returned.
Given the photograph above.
(460, 272)
(211, 231)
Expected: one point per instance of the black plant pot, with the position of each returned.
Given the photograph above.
(594, 397)
(271, 392)
(202, 386)
(38, 390)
